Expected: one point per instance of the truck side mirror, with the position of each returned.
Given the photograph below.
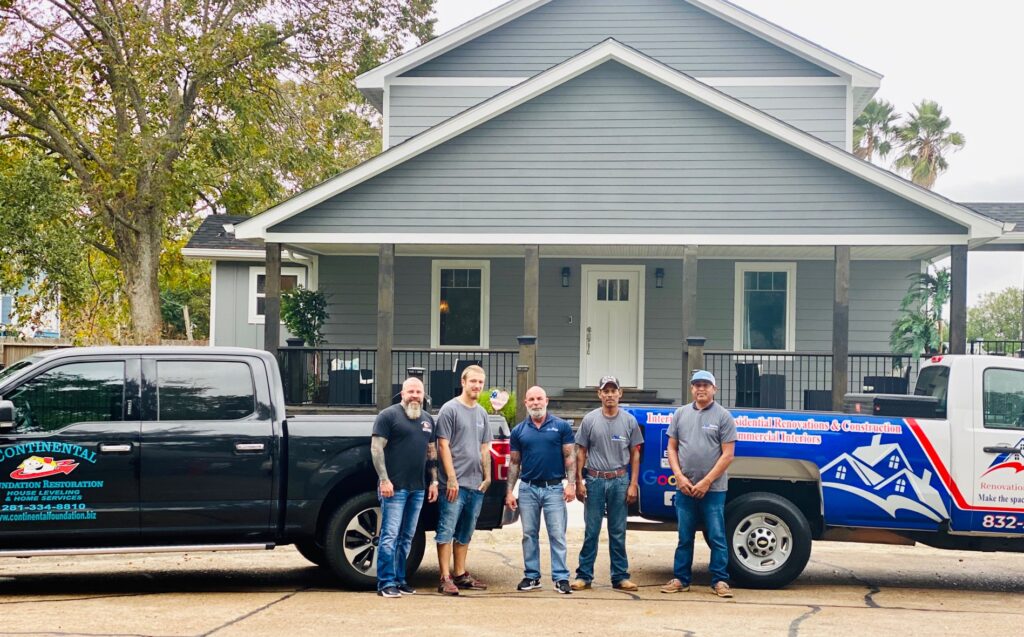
(6, 415)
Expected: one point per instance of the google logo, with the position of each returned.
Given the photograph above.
(652, 477)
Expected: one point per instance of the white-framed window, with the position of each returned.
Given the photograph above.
(460, 304)
(290, 277)
(765, 307)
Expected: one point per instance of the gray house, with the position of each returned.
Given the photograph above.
(610, 176)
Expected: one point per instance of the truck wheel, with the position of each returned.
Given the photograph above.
(312, 552)
(769, 540)
(351, 541)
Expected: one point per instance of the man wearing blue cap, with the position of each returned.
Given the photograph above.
(701, 444)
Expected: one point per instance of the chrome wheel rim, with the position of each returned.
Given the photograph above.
(762, 542)
(359, 541)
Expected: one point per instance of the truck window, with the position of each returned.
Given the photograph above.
(72, 393)
(1003, 391)
(210, 390)
(934, 381)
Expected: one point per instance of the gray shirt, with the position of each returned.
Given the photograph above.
(608, 440)
(701, 434)
(465, 429)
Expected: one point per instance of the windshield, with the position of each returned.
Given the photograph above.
(7, 372)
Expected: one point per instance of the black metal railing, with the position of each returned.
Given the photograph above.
(328, 376)
(803, 380)
(347, 376)
(996, 348)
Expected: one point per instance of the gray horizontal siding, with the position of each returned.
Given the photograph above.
(231, 314)
(613, 145)
(414, 109)
(671, 31)
(818, 110)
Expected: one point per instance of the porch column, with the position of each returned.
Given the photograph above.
(958, 300)
(272, 300)
(531, 312)
(689, 314)
(385, 323)
(841, 327)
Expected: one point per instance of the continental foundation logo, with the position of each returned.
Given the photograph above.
(38, 467)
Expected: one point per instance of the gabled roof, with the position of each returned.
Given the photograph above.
(979, 226)
(1011, 214)
(372, 82)
(212, 240)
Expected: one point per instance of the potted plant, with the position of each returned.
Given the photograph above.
(304, 312)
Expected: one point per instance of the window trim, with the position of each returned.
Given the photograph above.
(742, 267)
(485, 302)
(255, 271)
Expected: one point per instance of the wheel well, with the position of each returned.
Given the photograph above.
(805, 495)
(355, 484)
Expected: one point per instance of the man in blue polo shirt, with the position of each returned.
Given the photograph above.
(543, 452)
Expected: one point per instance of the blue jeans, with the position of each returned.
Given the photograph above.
(550, 500)
(605, 494)
(688, 512)
(457, 520)
(399, 516)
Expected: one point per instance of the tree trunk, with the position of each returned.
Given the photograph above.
(139, 250)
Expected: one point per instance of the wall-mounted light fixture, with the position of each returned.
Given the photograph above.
(565, 276)
(659, 277)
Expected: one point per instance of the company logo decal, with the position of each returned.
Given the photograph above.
(38, 467)
(1007, 461)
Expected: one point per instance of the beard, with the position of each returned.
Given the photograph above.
(413, 410)
(538, 413)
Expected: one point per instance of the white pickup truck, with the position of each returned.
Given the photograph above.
(942, 467)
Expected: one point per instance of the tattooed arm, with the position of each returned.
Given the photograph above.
(432, 470)
(377, 444)
(515, 465)
(569, 457)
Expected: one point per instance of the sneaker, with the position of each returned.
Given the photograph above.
(405, 589)
(625, 585)
(468, 582)
(675, 586)
(529, 585)
(721, 589)
(579, 585)
(447, 587)
(562, 586)
(390, 591)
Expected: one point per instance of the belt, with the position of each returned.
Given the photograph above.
(543, 483)
(606, 474)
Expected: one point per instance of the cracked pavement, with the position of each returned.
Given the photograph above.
(870, 588)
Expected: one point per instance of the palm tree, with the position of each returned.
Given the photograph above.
(875, 130)
(918, 330)
(925, 142)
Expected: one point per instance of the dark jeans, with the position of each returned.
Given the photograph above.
(605, 494)
(399, 515)
(689, 511)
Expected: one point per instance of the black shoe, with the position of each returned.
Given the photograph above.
(405, 589)
(562, 586)
(390, 591)
(529, 585)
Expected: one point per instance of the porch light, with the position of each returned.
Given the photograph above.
(565, 276)
(444, 306)
(659, 277)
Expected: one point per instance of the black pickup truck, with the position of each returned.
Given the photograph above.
(146, 449)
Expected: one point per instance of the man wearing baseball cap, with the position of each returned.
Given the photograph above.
(607, 470)
(701, 443)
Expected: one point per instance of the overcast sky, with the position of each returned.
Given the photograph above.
(964, 55)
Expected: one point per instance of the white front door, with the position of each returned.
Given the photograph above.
(611, 329)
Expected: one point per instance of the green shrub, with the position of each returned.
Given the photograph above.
(508, 411)
(304, 312)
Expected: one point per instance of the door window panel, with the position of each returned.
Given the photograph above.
(1003, 399)
(69, 394)
(216, 390)
(613, 289)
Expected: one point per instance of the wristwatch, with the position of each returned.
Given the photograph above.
(434, 483)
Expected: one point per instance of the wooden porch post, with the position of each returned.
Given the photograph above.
(272, 300)
(958, 300)
(531, 312)
(385, 323)
(689, 313)
(841, 327)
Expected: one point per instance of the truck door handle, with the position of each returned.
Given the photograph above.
(118, 448)
(1002, 449)
(249, 447)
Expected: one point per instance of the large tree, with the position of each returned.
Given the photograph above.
(925, 142)
(152, 108)
(996, 317)
(875, 130)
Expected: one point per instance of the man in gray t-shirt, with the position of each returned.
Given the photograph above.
(701, 444)
(607, 470)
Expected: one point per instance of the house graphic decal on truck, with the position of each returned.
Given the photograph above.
(1007, 461)
(881, 474)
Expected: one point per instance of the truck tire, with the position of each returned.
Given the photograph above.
(350, 543)
(312, 552)
(769, 540)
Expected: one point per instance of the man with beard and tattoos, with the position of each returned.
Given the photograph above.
(543, 450)
(464, 446)
(402, 442)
